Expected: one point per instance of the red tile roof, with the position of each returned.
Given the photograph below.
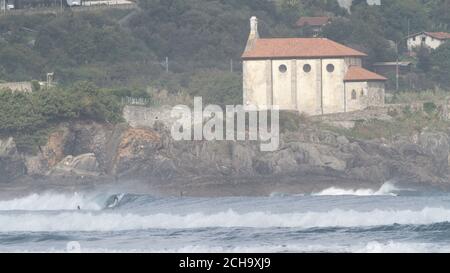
(313, 21)
(439, 35)
(357, 74)
(436, 35)
(299, 48)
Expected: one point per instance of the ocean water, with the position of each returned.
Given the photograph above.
(334, 220)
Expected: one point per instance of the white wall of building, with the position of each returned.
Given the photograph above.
(17, 86)
(282, 84)
(423, 40)
(333, 86)
(257, 83)
(309, 96)
(355, 93)
(313, 90)
(360, 95)
(376, 95)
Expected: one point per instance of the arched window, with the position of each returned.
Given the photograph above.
(307, 68)
(282, 68)
(330, 68)
(354, 94)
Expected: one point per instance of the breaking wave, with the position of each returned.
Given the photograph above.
(387, 188)
(106, 221)
(50, 202)
(56, 201)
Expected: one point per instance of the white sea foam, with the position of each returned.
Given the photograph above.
(387, 188)
(50, 201)
(400, 247)
(90, 221)
(370, 247)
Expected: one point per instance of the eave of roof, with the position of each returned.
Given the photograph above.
(436, 35)
(359, 74)
(313, 21)
(439, 35)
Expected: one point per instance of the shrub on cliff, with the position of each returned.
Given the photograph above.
(441, 64)
(29, 116)
(217, 87)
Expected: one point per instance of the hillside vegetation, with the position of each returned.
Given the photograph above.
(199, 35)
(121, 54)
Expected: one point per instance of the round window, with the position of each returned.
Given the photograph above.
(307, 68)
(330, 68)
(282, 68)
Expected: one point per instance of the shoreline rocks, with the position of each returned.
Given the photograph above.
(306, 160)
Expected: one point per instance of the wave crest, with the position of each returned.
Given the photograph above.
(387, 189)
(50, 202)
(90, 221)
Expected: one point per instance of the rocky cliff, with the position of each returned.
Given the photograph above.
(12, 165)
(308, 160)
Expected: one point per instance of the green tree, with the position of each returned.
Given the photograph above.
(217, 87)
(403, 16)
(424, 59)
(363, 31)
(29, 116)
(440, 59)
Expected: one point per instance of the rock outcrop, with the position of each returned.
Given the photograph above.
(82, 165)
(312, 157)
(12, 165)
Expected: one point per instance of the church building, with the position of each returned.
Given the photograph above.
(315, 76)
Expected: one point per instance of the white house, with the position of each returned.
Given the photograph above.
(431, 40)
(311, 75)
(348, 3)
(315, 23)
(25, 87)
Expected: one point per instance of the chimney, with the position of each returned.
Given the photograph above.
(254, 35)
